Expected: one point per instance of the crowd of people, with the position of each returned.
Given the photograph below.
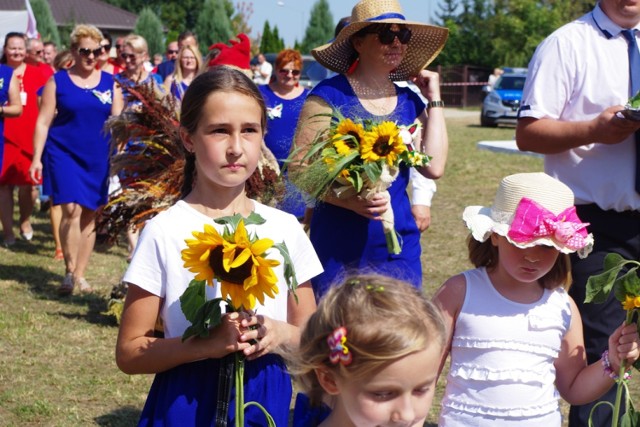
(358, 337)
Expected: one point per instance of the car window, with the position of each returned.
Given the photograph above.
(511, 82)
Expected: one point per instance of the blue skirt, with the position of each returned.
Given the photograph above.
(187, 394)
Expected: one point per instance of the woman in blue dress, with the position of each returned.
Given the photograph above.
(377, 48)
(188, 65)
(10, 105)
(75, 105)
(284, 98)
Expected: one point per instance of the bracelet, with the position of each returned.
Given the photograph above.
(435, 104)
(606, 365)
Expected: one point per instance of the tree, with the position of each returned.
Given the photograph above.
(46, 24)
(241, 17)
(149, 26)
(494, 33)
(213, 24)
(320, 28)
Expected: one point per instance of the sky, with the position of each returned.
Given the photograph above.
(292, 16)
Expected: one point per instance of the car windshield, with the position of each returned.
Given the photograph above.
(511, 82)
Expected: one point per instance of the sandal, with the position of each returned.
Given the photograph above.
(66, 288)
(58, 255)
(83, 286)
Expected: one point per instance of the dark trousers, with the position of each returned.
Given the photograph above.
(617, 232)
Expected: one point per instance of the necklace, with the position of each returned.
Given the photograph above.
(378, 98)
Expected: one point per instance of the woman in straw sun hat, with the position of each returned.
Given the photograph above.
(515, 335)
(378, 46)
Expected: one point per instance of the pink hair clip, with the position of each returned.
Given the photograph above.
(338, 350)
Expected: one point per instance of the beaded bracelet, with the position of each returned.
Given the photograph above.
(609, 371)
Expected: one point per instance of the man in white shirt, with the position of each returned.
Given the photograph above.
(578, 81)
(262, 72)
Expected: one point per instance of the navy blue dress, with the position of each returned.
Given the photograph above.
(5, 79)
(346, 241)
(77, 149)
(283, 117)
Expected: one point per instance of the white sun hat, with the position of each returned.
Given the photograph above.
(532, 209)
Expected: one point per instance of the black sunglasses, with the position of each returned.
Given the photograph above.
(286, 71)
(387, 35)
(86, 52)
(106, 47)
(171, 51)
(126, 56)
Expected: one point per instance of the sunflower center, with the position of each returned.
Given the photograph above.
(351, 143)
(235, 275)
(382, 147)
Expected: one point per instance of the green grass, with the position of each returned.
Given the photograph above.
(57, 363)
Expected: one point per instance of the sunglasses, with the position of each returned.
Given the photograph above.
(126, 56)
(118, 46)
(106, 47)
(172, 51)
(86, 52)
(387, 35)
(286, 71)
(37, 52)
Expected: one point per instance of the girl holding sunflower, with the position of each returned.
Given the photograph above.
(222, 125)
(376, 49)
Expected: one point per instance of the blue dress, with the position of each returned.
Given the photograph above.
(5, 79)
(178, 89)
(77, 148)
(346, 241)
(283, 117)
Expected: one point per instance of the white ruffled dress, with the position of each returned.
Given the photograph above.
(502, 356)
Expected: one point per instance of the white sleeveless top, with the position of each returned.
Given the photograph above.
(502, 356)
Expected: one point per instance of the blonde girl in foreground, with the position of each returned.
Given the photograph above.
(371, 353)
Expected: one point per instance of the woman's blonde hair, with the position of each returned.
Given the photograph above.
(137, 43)
(385, 320)
(82, 31)
(177, 73)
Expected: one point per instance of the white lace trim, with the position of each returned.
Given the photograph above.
(525, 347)
(481, 373)
(531, 410)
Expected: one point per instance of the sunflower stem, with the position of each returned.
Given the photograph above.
(239, 376)
(620, 380)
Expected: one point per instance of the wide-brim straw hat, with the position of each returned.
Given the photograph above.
(426, 40)
(547, 192)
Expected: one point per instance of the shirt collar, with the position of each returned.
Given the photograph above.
(605, 24)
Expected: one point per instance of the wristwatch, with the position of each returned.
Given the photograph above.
(436, 104)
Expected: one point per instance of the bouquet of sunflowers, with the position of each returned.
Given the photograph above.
(359, 157)
(238, 262)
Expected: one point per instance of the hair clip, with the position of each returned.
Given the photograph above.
(353, 282)
(373, 288)
(338, 350)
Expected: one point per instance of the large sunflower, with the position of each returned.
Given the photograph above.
(383, 142)
(347, 137)
(237, 261)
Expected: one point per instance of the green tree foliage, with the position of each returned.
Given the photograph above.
(494, 33)
(173, 16)
(320, 28)
(213, 24)
(46, 24)
(271, 41)
(149, 26)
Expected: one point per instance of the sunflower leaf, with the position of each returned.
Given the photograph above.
(600, 285)
(192, 299)
(628, 284)
(289, 269)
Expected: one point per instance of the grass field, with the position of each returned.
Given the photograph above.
(57, 354)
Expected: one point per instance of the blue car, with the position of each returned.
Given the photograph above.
(501, 105)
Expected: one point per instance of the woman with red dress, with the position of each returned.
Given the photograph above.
(18, 141)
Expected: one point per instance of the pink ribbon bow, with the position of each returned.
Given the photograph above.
(339, 352)
(532, 221)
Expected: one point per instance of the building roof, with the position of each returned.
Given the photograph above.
(68, 12)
